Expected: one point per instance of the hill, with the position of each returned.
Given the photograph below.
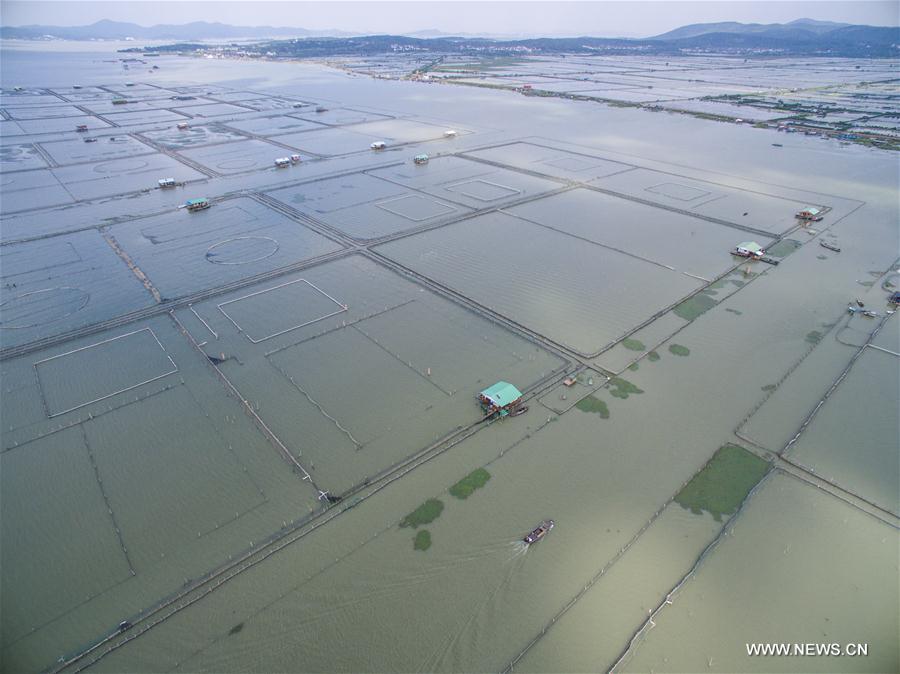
(803, 37)
(799, 28)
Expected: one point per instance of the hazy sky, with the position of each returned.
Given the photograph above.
(512, 17)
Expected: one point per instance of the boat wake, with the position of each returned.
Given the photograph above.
(517, 549)
(451, 653)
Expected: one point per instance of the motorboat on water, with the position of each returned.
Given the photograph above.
(538, 532)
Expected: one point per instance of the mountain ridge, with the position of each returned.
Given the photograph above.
(801, 37)
(795, 27)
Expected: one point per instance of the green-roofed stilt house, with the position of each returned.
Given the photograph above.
(502, 398)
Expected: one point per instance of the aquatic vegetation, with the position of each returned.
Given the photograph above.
(622, 388)
(814, 337)
(653, 356)
(679, 350)
(236, 629)
(471, 482)
(633, 344)
(721, 486)
(425, 514)
(736, 312)
(422, 540)
(634, 367)
(695, 306)
(768, 388)
(783, 248)
(593, 405)
(821, 257)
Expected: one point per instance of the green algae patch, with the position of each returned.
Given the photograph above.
(622, 388)
(653, 356)
(633, 344)
(695, 306)
(633, 367)
(723, 483)
(679, 350)
(768, 388)
(470, 483)
(422, 541)
(813, 337)
(736, 312)
(425, 514)
(821, 257)
(783, 248)
(593, 405)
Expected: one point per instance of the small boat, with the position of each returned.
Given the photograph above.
(521, 409)
(829, 246)
(870, 314)
(859, 302)
(538, 532)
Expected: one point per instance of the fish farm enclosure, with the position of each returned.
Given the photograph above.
(246, 309)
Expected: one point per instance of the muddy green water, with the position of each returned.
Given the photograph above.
(129, 471)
